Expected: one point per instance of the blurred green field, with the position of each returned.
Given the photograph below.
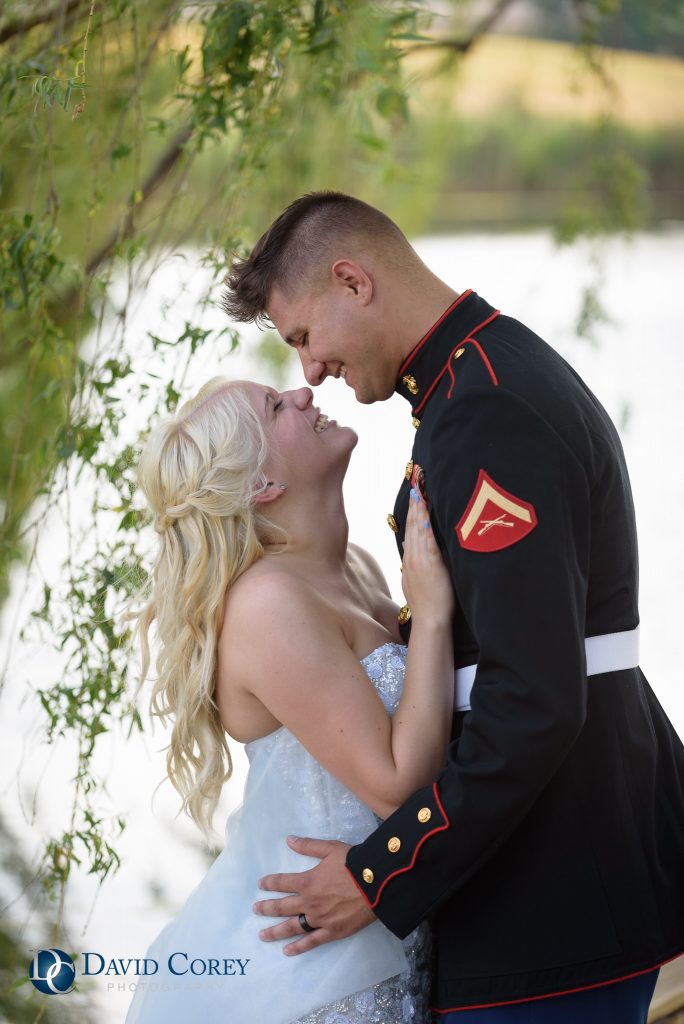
(554, 80)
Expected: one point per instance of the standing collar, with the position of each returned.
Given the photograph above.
(425, 363)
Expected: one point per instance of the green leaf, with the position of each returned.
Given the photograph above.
(120, 151)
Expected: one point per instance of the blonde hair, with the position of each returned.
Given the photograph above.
(199, 471)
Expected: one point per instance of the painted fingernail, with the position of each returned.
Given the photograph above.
(426, 523)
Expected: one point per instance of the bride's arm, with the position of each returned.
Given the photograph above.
(282, 644)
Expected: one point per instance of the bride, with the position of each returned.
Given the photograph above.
(271, 628)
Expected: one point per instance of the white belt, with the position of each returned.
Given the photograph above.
(610, 652)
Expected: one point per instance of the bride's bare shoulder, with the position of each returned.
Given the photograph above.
(267, 600)
(264, 578)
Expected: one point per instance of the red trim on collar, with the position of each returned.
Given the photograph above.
(447, 365)
(565, 992)
(412, 353)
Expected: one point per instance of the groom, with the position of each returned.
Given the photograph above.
(549, 853)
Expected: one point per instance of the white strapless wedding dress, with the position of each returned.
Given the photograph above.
(369, 978)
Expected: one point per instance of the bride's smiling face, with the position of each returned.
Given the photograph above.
(301, 439)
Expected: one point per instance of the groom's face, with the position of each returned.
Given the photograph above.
(337, 332)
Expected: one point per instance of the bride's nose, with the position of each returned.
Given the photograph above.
(302, 397)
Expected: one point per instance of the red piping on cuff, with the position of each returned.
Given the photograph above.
(414, 351)
(566, 992)
(400, 871)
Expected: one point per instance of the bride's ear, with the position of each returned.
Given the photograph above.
(271, 492)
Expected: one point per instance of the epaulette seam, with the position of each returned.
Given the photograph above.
(447, 366)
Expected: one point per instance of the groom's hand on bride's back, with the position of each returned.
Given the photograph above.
(326, 894)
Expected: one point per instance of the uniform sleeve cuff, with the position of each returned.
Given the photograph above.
(392, 849)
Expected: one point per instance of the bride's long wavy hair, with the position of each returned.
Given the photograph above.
(200, 472)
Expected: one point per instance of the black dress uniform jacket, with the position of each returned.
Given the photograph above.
(550, 850)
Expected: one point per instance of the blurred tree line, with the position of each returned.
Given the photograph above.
(651, 26)
(135, 130)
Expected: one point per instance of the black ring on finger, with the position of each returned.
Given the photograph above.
(304, 924)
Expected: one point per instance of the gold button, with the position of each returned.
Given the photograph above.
(394, 844)
(392, 523)
(424, 814)
(459, 353)
(410, 383)
(409, 469)
(368, 876)
(415, 421)
(404, 615)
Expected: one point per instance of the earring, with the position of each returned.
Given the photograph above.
(283, 487)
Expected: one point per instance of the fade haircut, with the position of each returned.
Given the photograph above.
(295, 251)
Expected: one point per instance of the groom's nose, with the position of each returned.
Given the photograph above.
(315, 372)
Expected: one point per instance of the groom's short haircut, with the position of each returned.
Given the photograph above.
(295, 253)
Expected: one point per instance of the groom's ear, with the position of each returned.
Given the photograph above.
(352, 276)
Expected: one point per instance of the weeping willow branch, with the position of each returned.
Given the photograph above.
(462, 46)
(157, 175)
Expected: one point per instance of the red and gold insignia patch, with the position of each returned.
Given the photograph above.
(494, 519)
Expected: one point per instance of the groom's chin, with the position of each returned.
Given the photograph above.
(365, 396)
